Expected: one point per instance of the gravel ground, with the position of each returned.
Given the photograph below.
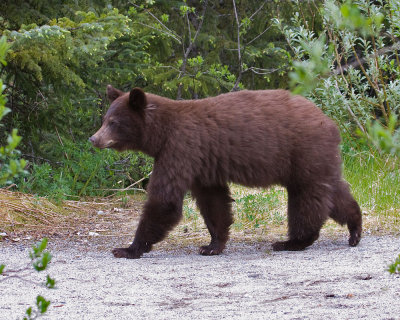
(329, 280)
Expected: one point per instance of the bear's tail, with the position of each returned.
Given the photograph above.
(347, 211)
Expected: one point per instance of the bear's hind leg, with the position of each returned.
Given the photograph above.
(347, 211)
(307, 212)
(215, 207)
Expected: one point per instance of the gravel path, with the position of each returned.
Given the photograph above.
(327, 281)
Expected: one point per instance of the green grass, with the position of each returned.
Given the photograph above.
(257, 208)
(252, 208)
(375, 183)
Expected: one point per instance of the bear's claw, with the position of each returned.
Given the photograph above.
(125, 253)
(209, 250)
(354, 239)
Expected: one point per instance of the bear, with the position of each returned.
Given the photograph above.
(254, 138)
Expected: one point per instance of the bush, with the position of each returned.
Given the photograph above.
(351, 68)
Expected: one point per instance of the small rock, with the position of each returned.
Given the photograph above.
(100, 212)
(364, 277)
(3, 234)
(16, 239)
(93, 234)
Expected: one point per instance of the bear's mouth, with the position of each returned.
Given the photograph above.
(108, 144)
(105, 145)
(112, 144)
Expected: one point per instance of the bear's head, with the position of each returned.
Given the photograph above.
(123, 124)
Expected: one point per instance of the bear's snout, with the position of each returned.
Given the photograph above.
(99, 140)
(92, 140)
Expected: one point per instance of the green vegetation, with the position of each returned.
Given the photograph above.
(87, 172)
(10, 164)
(40, 259)
(375, 183)
(256, 210)
(394, 268)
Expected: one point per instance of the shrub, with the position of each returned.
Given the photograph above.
(350, 69)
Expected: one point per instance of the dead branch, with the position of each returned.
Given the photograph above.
(236, 86)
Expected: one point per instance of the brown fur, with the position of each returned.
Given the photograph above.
(253, 138)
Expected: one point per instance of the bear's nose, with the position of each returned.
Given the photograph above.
(92, 139)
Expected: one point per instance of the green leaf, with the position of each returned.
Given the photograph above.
(2, 266)
(3, 111)
(29, 313)
(3, 50)
(165, 17)
(42, 263)
(394, 268)
(50, 283)
(42, 245)
(42, 304)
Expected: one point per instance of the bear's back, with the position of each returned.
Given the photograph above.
(250, 137)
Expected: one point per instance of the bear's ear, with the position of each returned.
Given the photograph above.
(113, 93)
(137, 99)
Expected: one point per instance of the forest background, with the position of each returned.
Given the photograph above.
(60, 55)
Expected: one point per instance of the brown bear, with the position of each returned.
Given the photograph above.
(253, 138)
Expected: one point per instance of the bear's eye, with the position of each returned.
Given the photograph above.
(113, 123)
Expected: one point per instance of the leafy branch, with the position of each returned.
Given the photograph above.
(40, 260)
(10, 165)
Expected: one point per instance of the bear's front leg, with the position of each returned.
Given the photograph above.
(158, 218)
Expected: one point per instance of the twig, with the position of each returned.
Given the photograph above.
(254, 39)
(262, 71)
(140, 180)
(25, 155)
(235, 87)
(255, 12)
(387, 115)
(125, 189)
(10, 186)
(169, 32)
(62, 144)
